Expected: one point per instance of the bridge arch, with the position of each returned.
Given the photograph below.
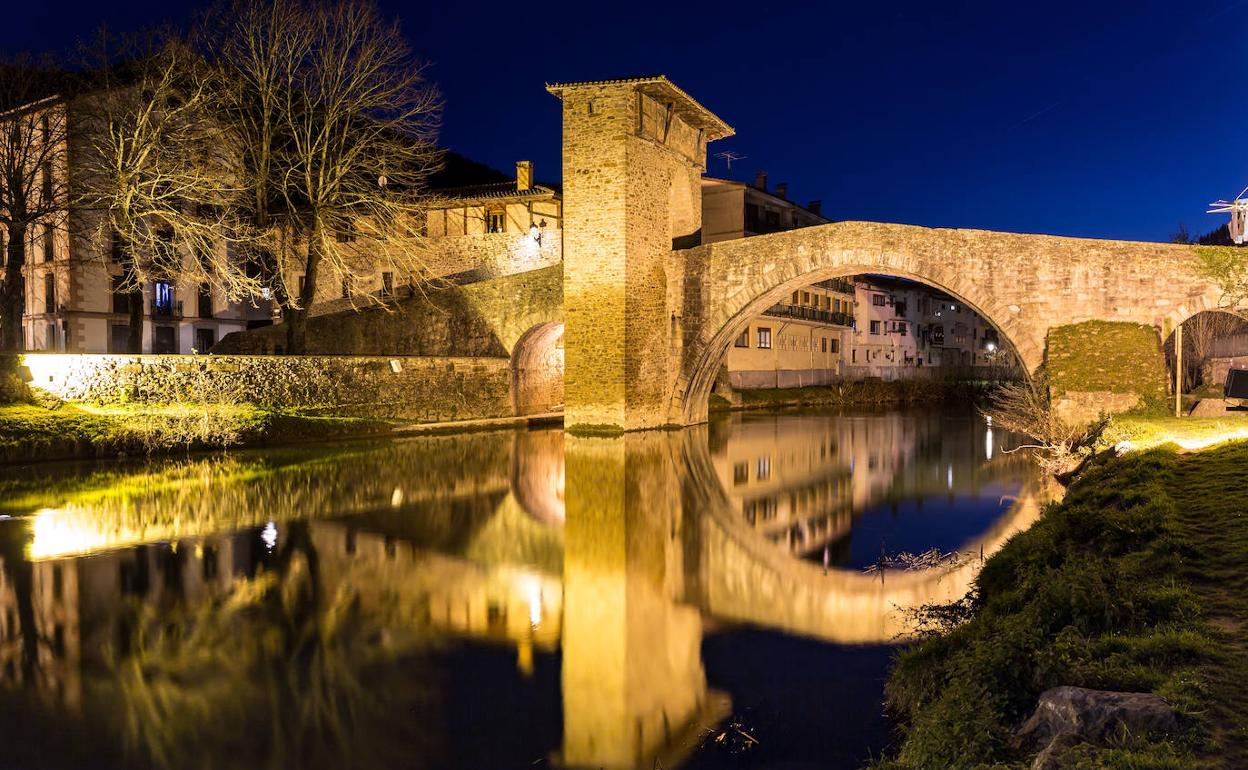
(1023, 285)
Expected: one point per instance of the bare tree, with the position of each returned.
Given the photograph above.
(336, 126)
(32, 177)
(155, 178)
(1025, 407)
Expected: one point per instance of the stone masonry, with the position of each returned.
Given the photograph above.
(633, 154)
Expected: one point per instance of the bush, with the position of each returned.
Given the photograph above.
(1086, 597)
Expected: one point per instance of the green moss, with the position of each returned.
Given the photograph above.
(1107, 356)
(1138, 581)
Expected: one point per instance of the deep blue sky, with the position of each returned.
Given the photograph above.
(1096, 119)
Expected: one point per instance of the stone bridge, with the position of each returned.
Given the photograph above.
(649, 320)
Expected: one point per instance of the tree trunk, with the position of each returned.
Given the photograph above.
(296, 323)
(134, 339)
(12, 291)
(135, 305)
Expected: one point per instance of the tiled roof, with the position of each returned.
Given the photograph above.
(494, 191)
(659, 86)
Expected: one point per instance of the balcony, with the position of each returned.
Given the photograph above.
(166, 309)
(810, 314)
(838, 285)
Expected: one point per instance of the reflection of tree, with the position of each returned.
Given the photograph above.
(19, 575)
(276, 674)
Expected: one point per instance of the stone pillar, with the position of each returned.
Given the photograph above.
(633, 155)
(633, 681)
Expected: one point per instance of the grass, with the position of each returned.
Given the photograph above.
(34, 432)
(1107, 356)
(1146, 430)
(1137, 581)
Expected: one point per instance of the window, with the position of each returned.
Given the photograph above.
(204, 340)
(875, 327)
(764, 468)
(49, 292)
(345, 233)
(48, 244)
(162, 299)
(496, 221)
(740, 474)
(899, 308)
(902, 329)
(118, 338)
(387, 284)
(877, 300)
(121, 297)
(164, 339)
(825, 345)
(205, 301)
(45, 173)
(764, 338)
(743, 340)
(836, 345)
(805, 298)
(796, 295)
(114, 246)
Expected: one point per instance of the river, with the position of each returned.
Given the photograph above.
(492, 600)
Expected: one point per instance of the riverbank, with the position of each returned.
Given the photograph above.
(1138, 582)
(31, 432)
(857, 393)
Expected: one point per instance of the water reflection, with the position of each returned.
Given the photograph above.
(840, 489)
(348, 605)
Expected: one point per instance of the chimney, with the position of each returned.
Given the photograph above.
(760, 180)
(524, 175)
(782, 190)
(815, 207)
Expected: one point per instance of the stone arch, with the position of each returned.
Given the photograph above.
(749, 302)
(537, 370)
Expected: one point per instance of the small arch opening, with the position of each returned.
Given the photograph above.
(537, 370)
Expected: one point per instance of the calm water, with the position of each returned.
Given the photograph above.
(501, 600)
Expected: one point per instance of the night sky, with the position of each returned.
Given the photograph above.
(1116, 120)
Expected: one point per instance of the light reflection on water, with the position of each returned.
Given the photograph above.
(487, 600)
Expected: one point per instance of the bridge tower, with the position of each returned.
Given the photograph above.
(634, 152)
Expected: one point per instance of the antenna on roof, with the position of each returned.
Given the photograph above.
(1238, 209)
(729, 156)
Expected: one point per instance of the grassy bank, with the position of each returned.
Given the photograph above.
(33, 432)
(865, 392)
(1137, 581)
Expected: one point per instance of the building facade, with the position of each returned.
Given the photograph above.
(75, 295)
(733, 209)
(799, 341)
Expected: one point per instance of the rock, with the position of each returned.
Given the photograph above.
(1065, 716)
(1212, 407)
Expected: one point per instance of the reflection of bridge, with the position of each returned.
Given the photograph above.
(651, 545)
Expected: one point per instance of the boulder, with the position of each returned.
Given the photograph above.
(1065, 716)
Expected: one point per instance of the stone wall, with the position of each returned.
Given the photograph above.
(479, 319)
(1220, 366)
(425, 389)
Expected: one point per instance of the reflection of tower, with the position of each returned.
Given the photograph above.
(633, 682)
